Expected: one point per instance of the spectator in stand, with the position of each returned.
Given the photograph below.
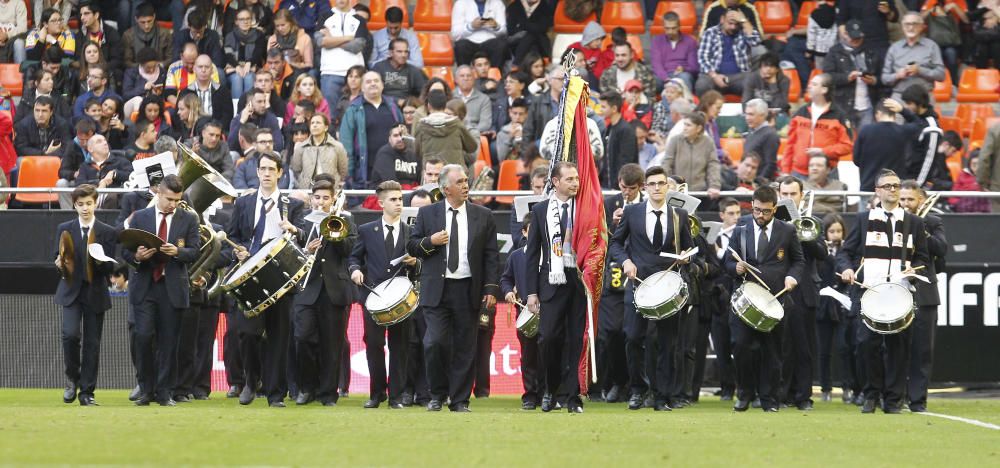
(879, 145)
(41, 133)
(820, 180)
(923, 162)
(528, 24)
(305, 88)
(74, 156)
(319, 154)
(988, 174)
(647, 149)
(691, 155)
(762, 138)
(724, 54)
(481, 71)
(262, 16)
(51, 30)
(365, 127)
(913, 60)
(456, 108)
(97, 82)
(511, 135)
(212, 149)
(215, 97)
(678, 109)
(673, 89)
(513, 89)
(442, 136)
(146, 34)
(544, 107)
(93, 57)
(342, 43)
(768, 84)
(401, 79)
(710, 105)
(817, 128)
(188, 119)
(283, 74)
(637, 107)
(105, 169)
(245, 175)
(944, 20)
(744, 178)
(293, 40)
(821, 31)
(142, 146)
(597, 59)
(301, 113)
(854, 67)
(245, 137)
(212, 9)
(409, 110)
(207, 41)
(675, 54)
(180, 74)
(479, 25)
(966, 182)
(625, 68)
(14, 19)
(394, 30)
(307, 14)
(397, 160)
(350, 92)
(874, 18)
(148, 77)
(478, 105)
(534, 66)
(265, 82)
(111, 122)
(245, 49)
(257, 113)
(718, 9)
(43, 86)
(94, 29)
(986, 32)
(151, 109)
(619, 139)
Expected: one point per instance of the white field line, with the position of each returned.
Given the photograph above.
(973, 422)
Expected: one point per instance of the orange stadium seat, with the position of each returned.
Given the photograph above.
(685, 10)
(509, 178)
(633, 40)
(804, 11)
(38, 171)
(484, 151)
(794, 84)
(978, 85)
(443, 72)
(968, 113)
(562, 23)
(775, 17)
(734, 147)
(954, 167)
(432, 15)
(627, 15)
(11, 78)
(950, 123)
(378, 8)
(942, 89)
(979, 128)
(437, 48)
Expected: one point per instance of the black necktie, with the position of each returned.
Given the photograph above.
(86, 232)
(453, 242)
(889, 229)
(658, 231)
(563, 221)
(390, 246)
(761, 245)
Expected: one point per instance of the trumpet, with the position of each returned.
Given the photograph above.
(927, 204)
(334, 228)
(807, 226)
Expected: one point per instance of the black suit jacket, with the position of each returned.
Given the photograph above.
(515, 274)
(183, 227)
(782, 258)
(807, 292)
(483, 254)
(329, 268)
(96, 293)
(630, 241)
(27, 143)
(369, 255)
(937, 248)
(130, 203)
(240, 227)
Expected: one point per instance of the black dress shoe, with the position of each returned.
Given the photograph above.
(859, 399)
(613, 394)
(87, 400)
(134, 395)
(804, 405)
(233, 392)
(406, 399)
(460, 409)
(396, 405)
(741, 405)
(918, 408)
(662, 406)
(574, 409)
(847, 396)
(528, 405)
(330, 403)
(182, 399)
(547, 403)
(755, 403)
(143, 400)
(372, 403)
(304, 398)
(168, 402)
(276, 404)
(434, 405)
(869, 406)
(596, 397)
(770, 409)
(634, 401)
(70, 393)
(726, 395)
(649, 401)
(247, 396)
(200, 396)
(681, 403)
(892, 409)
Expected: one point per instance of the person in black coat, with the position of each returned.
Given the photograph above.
(529, 33)
(512, 283)
(135, 85)
(771, 246)
(83, 294)
(620, 144)
(381, 242)
(44, 85)
(160, 289)
(647, 229)
(94, 29)
(208, 41)
(42, 133)
(264, 361)
(459, 276)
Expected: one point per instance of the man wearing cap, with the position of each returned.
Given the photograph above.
(626, 68)
(854, 67)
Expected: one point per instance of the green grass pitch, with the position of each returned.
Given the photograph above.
(37, 428)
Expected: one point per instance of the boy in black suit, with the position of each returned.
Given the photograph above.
(84, 295)
(511, 283)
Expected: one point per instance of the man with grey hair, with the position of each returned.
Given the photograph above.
(460, 275)
(762, 138)
(915, 59)
(478, 106)
(543, 107)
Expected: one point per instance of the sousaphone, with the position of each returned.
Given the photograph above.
(202, 182)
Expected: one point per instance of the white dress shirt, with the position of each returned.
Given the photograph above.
(84, 225)
(273, 227)
(651, 220)
(464, 269)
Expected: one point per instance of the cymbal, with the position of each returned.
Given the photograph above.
(67, 256)
(131, 239)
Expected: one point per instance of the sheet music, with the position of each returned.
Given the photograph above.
(837, 296)
(688, 254)
(97, 253)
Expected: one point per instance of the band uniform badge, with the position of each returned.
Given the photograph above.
(781, 254)
(180, 243)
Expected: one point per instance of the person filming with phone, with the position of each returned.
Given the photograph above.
(854, 67)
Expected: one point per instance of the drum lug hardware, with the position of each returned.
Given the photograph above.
(286, 275)
(266, 292)
(255, 280)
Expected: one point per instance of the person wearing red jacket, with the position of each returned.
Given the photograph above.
(816, 129)
(8, 157)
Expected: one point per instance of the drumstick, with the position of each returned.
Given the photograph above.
(371, 289)
(781, 292)
(737, 257)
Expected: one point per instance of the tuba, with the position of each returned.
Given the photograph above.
(807, 226)
(435, 190)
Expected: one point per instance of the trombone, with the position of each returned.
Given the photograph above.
(927, 205)
(807, 226)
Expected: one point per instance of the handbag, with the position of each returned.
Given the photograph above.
(943, 30)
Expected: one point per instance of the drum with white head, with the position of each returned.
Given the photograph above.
(887, 308)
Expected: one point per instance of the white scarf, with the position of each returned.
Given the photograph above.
(561, 250)
(879, 270)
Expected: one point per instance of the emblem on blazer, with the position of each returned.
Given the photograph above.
(180, 243)
(781, 254)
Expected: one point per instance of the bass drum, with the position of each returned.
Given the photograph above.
(267, 275)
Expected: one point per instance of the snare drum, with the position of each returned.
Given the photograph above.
(392, 301)
(757, 307)
(267, 275)
(527, 323)
(887, 308)
(661, 295)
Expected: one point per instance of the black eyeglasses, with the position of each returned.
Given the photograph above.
(763, 211)
(889, 186)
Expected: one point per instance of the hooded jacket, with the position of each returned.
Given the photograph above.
(445, 137)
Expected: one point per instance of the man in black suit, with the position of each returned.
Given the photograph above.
(771, 246)
(729, 212)
(258, 218)
(383, 241)
(645, 230)
(799, 340)
(912, 196)
(612, 367)
(160, 289)
(84, 295)
(460, 274)
(555, 289)
(322, 306)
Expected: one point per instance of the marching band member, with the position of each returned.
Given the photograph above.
(381, 242)
(457, 242)
(511, 282)
(259, 217)
(729, 213)
(646, 229)
(160, 289)
(892, 242)
(771, 246)
(835, 326)
(83, 294)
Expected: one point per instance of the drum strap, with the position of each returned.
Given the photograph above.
(907, 222)
(677, 230)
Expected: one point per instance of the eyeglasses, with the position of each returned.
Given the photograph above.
(763, 211)
(265, 142)
(656, 184)
(912, 24)
(889, 187)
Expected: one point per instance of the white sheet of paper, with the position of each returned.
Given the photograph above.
(688, 254)
(396, 261)
(97, 253)
(911, 275)
(837, 296)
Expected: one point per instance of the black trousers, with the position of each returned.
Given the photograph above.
(264, 345)
(885, 360)
(921, 354)
(155, 317)
(836, 338)
(416, 373)
(375, 341)
(530, 369)
(450, 343)
(798, 351)
(758, 364)
(496, 49)
(537, 43)
(84, 324)
(292, 354)
(319, 336)
(636, 332)
(484, 351)
(194, 350)
(612, 368)
(344, 381)
(704, 328)
(685, 354)
(560, 339)
(722, 344)
(235, 376)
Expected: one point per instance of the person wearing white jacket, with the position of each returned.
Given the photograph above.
(479, 25)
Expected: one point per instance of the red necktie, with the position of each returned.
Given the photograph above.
(162, 234)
